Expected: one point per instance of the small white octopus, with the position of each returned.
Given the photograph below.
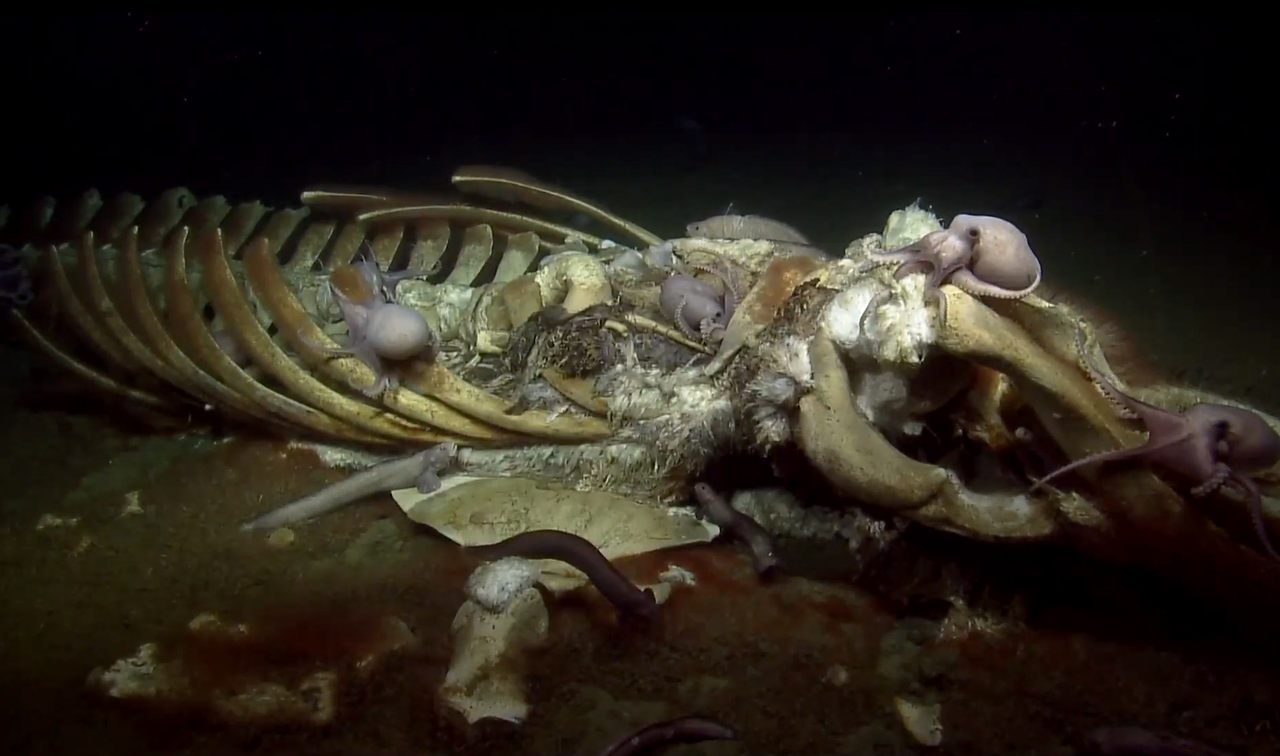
(381, 330)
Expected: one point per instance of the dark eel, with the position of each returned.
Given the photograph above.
(581, 553)
(739, 526)
(670, 732)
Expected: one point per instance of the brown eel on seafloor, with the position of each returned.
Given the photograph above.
(581, 553)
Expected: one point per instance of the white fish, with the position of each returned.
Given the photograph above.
(745, 227)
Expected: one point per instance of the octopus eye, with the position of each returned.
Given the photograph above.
(973, 232)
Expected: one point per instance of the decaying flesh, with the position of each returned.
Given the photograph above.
(646, 406)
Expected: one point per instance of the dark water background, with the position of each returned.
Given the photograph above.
(1134, 149)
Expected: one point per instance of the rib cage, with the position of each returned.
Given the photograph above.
(147, 289)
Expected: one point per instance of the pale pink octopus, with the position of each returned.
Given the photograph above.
(1208, 446)
(696, 307)
(981, 254)
(381, 330)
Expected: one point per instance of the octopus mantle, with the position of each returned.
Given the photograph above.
(557, 360)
